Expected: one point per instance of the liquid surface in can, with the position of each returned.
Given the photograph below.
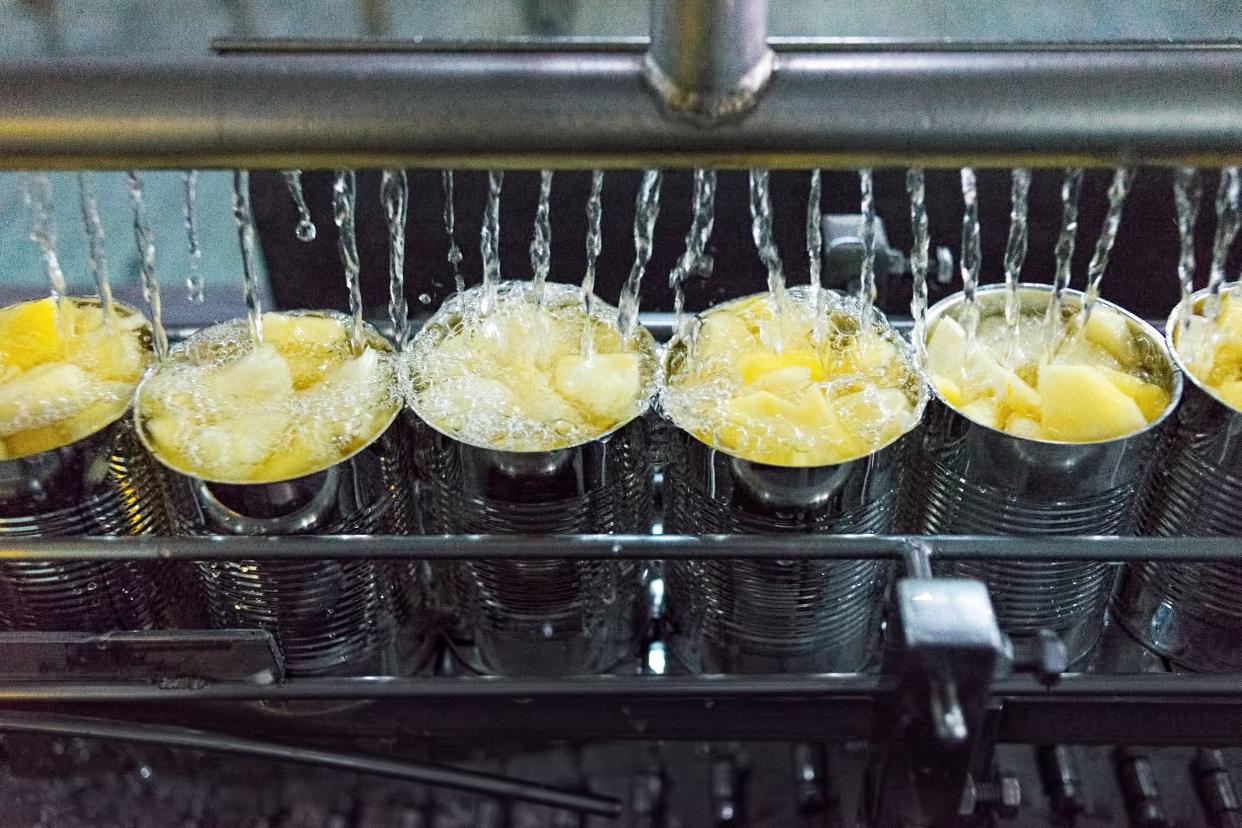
(226, 410)
(518, 377)
(769, 385)
(1098, 382)
(65, 371)
(1211, 348)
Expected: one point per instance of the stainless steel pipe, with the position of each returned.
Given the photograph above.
(841, 107)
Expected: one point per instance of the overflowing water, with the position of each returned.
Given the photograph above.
(450, 229)
(972, 257)
(37, 193)
(489, 241)
(594, 244)
(245, 240)
(695, 261)
(541, 244)
(866, 285)
(646, 211)
(815, 250)
(1123, 177)
(395, 195)
(1227, 218)
(765, 243)
(916, 188)
(93, 228)
(344, 202)
(145, 241)
(1071, 188)
(1187, 196)
(306, 226)
(1015, 253)
(194, 276)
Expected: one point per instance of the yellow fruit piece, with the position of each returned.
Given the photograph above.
(1151, 398)
(52, 391)
(233, 449)
(946, 348)
(257, 380)
(1081, 405)
(882, 414)
(983, 411)
(757, 363)
(1111, 331)
(607, 387)
(784, 382)
(1077, 350)
(760, 406)
(63, 432)
(1006, 387)
(309, 343)
(1231, 393)
(1024, 427)
(540, 403)
(949, 390)
(29, 335)
(722, 334)
(109, 354)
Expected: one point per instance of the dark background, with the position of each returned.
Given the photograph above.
(1142, 274)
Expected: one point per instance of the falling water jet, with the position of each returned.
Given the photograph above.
(305, 230)
(1187, 196)
(93, 227)
(919, 251)
(646, 211)
(1071, 188)
(541, 244)
(245, 240)
(1227, 219)
(344, 200)
(395, 196)
(194, 278)
(971, 254)
(594, 244)
(489, 241)
(37, 194)
(145, 241)
(695, 259)
(1123, 177)
(867, 274)
(450, 228)
(815, 250)
(1015, 252)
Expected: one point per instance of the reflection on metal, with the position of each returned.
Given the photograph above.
(569, 108)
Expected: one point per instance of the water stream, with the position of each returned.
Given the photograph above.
(866, 285)
(489, 241)
(245, 240)
(305, 230)
(1123, 177)
(450, 228)
(194, 275)
(93, 227)
(1187, 196)
(541, 243)
(594, 244)
(144, 238)
(344, 204)
(695, 261)
(646, 211)
(395, 196)
(815, 250)
(972, 257)
(919, 251)
(37, 195)
(1071, 188)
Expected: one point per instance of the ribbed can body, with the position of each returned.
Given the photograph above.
(538, 617)
(971, 479)
(758, 616)
(103, 484)
(1188, 612)
(326, 616)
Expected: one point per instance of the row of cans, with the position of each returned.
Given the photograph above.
(1179, 476)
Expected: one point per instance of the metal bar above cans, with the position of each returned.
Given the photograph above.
(621, 547)
(845, 106)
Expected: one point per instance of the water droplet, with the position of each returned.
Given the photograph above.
(547, 630)
(425, 298)
(306, 231)
(144, 772)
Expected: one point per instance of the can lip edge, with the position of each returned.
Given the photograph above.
(373, 333)
(133, 393)
(1175, 392)
(920, 409)
(1169, 327)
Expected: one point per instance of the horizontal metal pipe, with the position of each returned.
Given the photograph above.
(575, 109)
(181, 737)
(619, 547)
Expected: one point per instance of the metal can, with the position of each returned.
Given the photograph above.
(101, 484)
(532, 616)
(327, 616)
(1188, 612)
(969, 478)
(764, 616)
